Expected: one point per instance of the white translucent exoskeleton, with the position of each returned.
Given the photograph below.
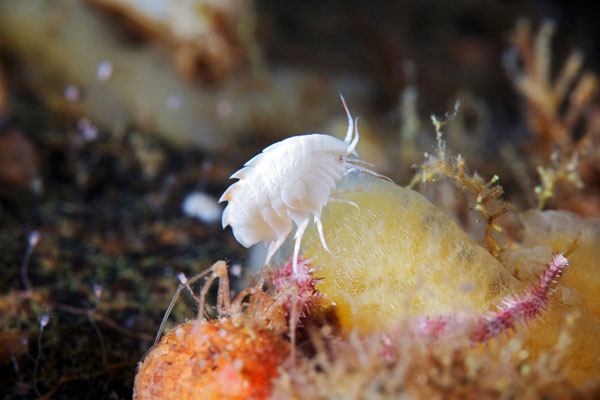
(289, 181)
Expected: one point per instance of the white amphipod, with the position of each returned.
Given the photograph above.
(290, 180)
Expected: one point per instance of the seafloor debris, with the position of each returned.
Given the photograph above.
(202, 206)
(19, 162)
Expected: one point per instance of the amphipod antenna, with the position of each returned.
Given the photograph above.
(348, 137)
(355, 140)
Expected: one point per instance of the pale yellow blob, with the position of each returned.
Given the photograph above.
(569, 336)
(555, 232)
(399, 256)
(571, 326)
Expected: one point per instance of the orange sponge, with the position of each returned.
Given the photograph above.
(211, 360)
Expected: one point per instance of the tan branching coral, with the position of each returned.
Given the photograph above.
(562, 112)
(546, 97)
(486, 194)
(565, 170)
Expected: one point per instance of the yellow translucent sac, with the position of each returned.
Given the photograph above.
(397, 256)
(556, 231)
(569, 337)
(571, 327)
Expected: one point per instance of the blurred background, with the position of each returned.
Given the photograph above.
(121, 121)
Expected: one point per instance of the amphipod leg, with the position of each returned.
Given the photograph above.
(298, 237)
(354, 167)
(344, 191)
(281, 227)
(273, 247)
(349, 202)
(320, 229)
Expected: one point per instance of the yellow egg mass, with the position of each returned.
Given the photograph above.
(398, 255)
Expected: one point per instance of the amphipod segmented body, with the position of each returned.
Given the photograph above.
(290, 180)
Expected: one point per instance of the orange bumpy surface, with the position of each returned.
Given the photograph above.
(211, 360)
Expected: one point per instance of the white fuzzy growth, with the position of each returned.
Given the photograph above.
(202, 206)
(289, 181)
